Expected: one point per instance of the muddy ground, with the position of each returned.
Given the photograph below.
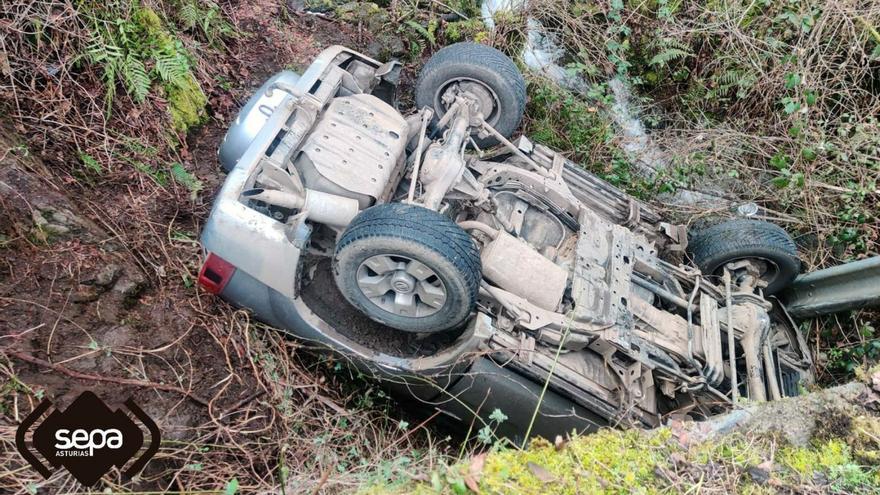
(97, 293)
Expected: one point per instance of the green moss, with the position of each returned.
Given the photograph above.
(186, 104)
(610, 461)
(615, 461)
(732, 450)
(149, 20)
(186, 100)
(146, 55)
(864, 440)
(607, 462)
(472, 29)
(806, 461)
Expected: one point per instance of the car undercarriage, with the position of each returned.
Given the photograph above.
(468, 269)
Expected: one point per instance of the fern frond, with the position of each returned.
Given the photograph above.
(172, 67)
(99, 51)
(207, 22)
(189, 15)
(729, 78)
(417, 46)
(418, 28)
(188, 180)
(96, 51)
(90, 162)
(137, 81)
(111, 69)
(674, 43)
(668, 55)
(734, 79)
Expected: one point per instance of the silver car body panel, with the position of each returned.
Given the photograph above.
(236, 233)
(251, 119)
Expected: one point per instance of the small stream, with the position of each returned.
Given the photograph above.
(542, 54)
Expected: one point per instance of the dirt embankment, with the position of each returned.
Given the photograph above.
(97, 289)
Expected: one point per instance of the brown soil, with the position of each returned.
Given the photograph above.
(97, 293)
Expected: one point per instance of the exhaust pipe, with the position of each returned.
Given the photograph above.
(320, 207)
(274, 197)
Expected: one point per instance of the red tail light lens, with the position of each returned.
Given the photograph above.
(215, 274)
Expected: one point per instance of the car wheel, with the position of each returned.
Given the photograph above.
(770, 250)
(408, 267)
(484, 71)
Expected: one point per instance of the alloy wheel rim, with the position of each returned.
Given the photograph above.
(401, 285)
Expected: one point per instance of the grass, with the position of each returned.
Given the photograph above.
(633, 461)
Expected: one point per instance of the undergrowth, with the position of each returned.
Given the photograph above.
(634, 461)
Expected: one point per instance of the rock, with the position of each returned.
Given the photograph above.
(31, 209)
(130, 286)
(758, 475)
(797, 419)
(296, 5)
(86, 295)
(105, 277)
(96, 283)
(386, 46)
(46, 228)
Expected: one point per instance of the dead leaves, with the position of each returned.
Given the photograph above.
(475, 472)
(540, 472)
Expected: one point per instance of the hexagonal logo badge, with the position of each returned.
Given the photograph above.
(87, 439)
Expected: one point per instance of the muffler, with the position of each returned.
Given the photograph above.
(320, 207)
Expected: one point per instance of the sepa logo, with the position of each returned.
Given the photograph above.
(87, 438)
(83, 442)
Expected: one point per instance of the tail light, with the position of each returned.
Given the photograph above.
(215, 274)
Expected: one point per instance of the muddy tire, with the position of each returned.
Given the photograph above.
(744, 239)
(408, 267)
(491, 70)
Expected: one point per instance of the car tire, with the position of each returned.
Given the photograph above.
(739, 239)
(408, 267)
(482, 64)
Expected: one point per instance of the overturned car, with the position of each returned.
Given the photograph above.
(470, 271)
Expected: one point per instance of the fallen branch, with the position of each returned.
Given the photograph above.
(98, 378)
